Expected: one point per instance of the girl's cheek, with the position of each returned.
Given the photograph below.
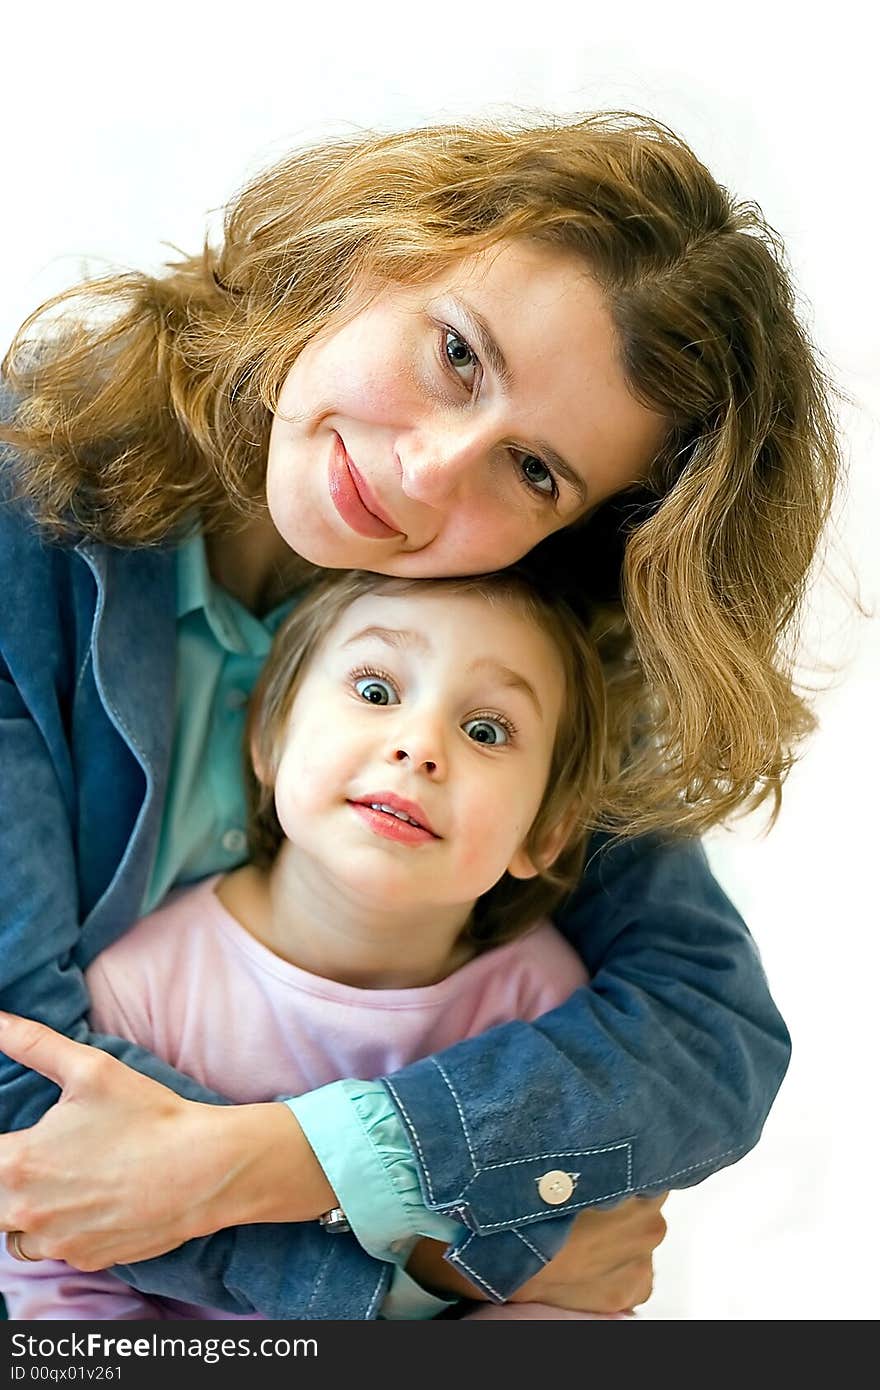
(484, 853)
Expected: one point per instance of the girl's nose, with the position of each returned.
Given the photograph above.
(421, 751)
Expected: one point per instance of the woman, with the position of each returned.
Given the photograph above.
(423, 354)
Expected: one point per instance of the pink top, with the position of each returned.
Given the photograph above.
(189, 983)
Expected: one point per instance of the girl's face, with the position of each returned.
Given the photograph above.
(440, 708)
(447, 428)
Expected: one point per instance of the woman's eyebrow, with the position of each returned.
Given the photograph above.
(479, 331)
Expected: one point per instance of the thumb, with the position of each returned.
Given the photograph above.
(40, 1048)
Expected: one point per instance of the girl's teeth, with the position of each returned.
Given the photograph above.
(389, 810)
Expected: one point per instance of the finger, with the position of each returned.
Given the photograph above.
(16, 1248)
(39, 1047)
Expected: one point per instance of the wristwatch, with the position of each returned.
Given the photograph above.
(334, 1221)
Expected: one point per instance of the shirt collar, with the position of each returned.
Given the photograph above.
(234, 627)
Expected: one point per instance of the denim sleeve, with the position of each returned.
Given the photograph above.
(361, 1145)
(658, 1074)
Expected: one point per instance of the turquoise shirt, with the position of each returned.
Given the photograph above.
(351, 1125)
(220, 650)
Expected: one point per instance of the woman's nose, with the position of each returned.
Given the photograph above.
(444, 461)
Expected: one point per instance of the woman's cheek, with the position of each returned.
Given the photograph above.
(487, 539)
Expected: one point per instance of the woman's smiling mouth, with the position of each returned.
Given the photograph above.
(353, 499)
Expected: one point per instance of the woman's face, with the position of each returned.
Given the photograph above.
(447, 428)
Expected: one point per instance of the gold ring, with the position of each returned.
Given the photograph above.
(13, 1245)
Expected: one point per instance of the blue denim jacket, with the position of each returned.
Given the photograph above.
(659, 1074)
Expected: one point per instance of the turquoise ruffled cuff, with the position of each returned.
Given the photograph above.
(362, 1147)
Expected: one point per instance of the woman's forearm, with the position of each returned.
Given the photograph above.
(260, 1167)
(122, 1169)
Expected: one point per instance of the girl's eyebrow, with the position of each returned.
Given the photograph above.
(478, 329)
(506, 676)
(391, 636)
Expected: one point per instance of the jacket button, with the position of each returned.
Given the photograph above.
(234, 841)
(555, 1187)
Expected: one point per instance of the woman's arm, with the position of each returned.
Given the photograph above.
(660, 1073)
(737, 1076)
(86, 1194)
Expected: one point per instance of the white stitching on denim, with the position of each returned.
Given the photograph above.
(560, 1153)
(323, 1270)
(534, 1249)
(82, 670)
(473, 1156)
(556, 1211)
(455, 1258)
(415, 1137)
(123, 727)
(704, 1163)
(375, 1299)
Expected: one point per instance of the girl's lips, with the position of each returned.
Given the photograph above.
(347, 499)
(390, 827)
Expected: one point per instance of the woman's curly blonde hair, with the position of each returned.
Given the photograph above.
(144, 399)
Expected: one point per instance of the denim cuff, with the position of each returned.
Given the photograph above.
(360, 1143)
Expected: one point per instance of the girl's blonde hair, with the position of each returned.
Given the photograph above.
(578, 769)
(152, 399)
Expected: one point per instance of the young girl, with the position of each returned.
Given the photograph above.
(422, 354)
(428, 755)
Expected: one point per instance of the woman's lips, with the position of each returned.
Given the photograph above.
(353, 500)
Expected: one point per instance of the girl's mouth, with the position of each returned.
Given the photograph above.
(394, 819)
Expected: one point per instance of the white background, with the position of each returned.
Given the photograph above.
(126, 127)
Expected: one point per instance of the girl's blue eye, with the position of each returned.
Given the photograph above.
(459, 355)
(487, 731)
(376, 691)
(538, 475)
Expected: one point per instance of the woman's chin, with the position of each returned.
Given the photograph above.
(320, 545)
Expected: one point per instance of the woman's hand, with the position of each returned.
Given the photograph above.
(122, 1169)
(605, 1266)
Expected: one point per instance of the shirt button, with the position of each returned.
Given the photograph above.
(234, 841)
(235, 699)
(555, 1187)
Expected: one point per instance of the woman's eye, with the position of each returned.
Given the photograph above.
(376, 691)
(486, 731)
(538, 476)
(460, 357)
